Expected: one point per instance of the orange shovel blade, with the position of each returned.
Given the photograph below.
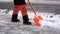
(36, 21)
(40, 17)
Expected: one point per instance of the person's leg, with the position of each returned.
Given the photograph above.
(24, 15)
(15, 14)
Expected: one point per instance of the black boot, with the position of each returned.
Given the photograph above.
(26, 20)
(14, 18)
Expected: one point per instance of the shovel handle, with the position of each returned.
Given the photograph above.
(32, 8)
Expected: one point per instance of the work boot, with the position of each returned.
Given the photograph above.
(26, 20)
(14, 18)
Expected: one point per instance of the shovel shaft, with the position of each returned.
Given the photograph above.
(32, 8)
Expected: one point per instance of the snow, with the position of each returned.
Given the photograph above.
(50, 25)
(46, 16)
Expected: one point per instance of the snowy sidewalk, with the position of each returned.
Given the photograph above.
(8, 27)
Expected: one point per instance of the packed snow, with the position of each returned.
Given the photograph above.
(50, 24)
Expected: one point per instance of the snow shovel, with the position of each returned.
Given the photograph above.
(36, 18)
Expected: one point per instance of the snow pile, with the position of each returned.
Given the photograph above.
(50, 19)
(51, 24)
